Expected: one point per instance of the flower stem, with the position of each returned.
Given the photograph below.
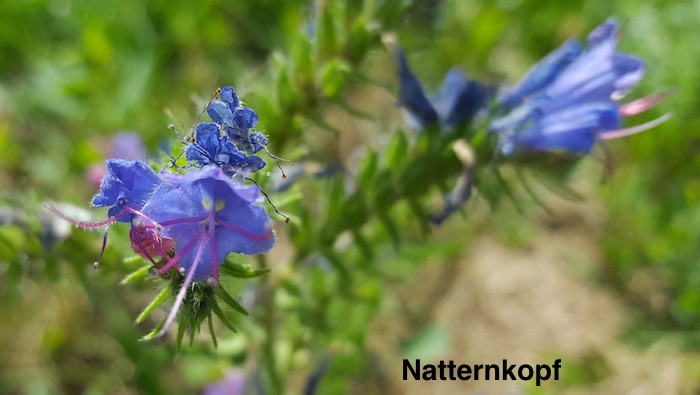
(270, 332)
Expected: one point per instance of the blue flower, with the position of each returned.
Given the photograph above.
(235, 120)
(208, 216)
(542, 74)
(233, 383)
(210, 148)
(128, 145)
(458, 100)
(207, 207)
(127, 184)
(569, 100)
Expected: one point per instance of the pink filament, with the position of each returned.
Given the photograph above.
(244, 232)
(212, 238)
(615, 134)
(188, 280)
(640, 105)
(135, 238)
(184, 220)
(106, 223)
(172, 262)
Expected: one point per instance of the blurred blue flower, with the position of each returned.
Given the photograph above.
(569, 100)
(128, 145)
(126, 184)
(458, 100)
(233, 383)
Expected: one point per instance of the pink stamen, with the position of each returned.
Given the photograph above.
(184, 220)
(172, 262)
(157, 244)
(181, 295)
(89, 225)
(615, 134)
(640, 105)
(244, 232)
(104, 245)
(212, 239)
(82, 224)
(106, 223)
(145, 254)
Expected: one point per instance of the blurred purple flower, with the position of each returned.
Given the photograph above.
(233, 383)
(569, 100)
(129, 146)
(458, 100)
(123, 145)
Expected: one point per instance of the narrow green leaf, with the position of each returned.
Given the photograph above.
(226, 298)
(192, 333)
(132, 260)
(420, 215)
(391, 229)
(162, 296)
(211, 330)
(241, 271)
(181, 334)
(367, 169)
(154, 332)
(217, 310)
(138, 274)
(509, 192)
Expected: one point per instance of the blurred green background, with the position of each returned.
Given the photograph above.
(610, 283)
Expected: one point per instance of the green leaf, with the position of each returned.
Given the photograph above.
(154, 332)
(181, 334)
(226, 298)
(367, 169)
(162, 296)
(211, 331)
(333, 77)
(241, 271)
(396, 151)
(430, 342)
(137, 275)
(217, 310)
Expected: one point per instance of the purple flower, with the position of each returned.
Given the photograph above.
(233, 383)
(126, 184)
(208, 216)
(128, 145)
(458, 100)
(412, 97)
(127, 187)
(569, 100)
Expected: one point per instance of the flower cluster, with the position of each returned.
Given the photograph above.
(570, 99)
(458, 100)
(227, 142)
(193, 221)
(564, 104)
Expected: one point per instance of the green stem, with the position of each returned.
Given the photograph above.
(270, 333)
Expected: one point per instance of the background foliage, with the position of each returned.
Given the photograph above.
(73, 73)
